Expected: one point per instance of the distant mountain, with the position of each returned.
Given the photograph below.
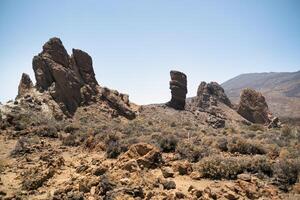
(281, 89)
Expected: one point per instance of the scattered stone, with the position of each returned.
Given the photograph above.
(145, 155)
(196, 175)
(35, 177)
(180, 195)
(100, 170)
(167, 172)
(168, 184)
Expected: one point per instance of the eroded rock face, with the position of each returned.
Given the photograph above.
(178, 87)
(25, 85)
(209, 93)
(55, 72)
(70, 80)
(253, 107)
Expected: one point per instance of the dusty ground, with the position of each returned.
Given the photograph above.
(161, 154)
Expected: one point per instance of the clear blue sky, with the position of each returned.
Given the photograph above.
(134, 44)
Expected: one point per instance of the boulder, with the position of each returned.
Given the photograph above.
(253, 107)
(178, 87)
(25, 85)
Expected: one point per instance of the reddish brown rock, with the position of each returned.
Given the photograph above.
(145, 155)
(178, 87)
(253, 107)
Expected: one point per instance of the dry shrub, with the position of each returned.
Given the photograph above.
(218, 167)
(70, 140)
(168, 143)
(286, 172)
(242, 146)
(256, 127)
(286, 130)
(222, 144)
(192, 152)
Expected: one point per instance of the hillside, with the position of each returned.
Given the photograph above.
(281, 89)
(67, 137)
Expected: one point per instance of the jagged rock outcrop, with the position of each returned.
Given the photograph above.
(253, 107)
(57, 72)
(25, 85)
(70, 80)
(178, 87)
(210, 93)
(207, 99)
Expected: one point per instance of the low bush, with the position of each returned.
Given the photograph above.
(168, 143)
(70, 140)
(242, 146)
(218, 167)
(286, 172)
(256, 127)
(192, 152)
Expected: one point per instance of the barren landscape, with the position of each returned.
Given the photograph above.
(68, 137)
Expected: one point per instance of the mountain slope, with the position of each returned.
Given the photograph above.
(281, 89)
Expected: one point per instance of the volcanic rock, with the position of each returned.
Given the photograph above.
(178, 87)
(253, 107)
(55, 72)
(210, 93)
(71, 82)
(25, 85)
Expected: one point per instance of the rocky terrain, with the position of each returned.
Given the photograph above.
(68, 137)
(282, 90)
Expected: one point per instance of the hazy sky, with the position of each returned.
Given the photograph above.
(134, 44)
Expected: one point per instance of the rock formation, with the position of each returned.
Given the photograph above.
(178, 87)
(253, 107)
(65, 77)
(25, 85)
(207, 99)
(210, 93)
(70, 80)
